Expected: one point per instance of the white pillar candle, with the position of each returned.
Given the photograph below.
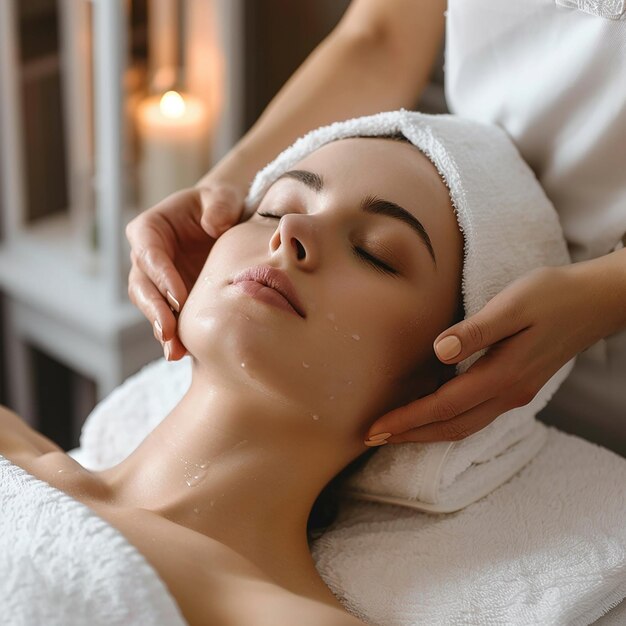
(173, 132)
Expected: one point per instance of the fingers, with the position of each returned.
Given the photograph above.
(222, 206)
(457, 428)
(154, 285)
(174, 350)
(158, 267)
(465, 404)
(147, 298)
(455, 397)
(500, 318)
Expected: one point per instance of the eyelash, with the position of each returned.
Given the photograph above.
(358, 252)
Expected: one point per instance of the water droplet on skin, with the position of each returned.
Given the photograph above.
(194, 477)
(305, 364)
(243, 365)
(355, 337)
(316, 417)
(196, 510)
(60, 471)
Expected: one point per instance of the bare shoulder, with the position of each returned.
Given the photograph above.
(267, 604)
(17, 437)
(308, 612)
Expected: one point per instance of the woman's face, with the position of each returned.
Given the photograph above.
(373, 297)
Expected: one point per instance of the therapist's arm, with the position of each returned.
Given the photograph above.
(378, 58)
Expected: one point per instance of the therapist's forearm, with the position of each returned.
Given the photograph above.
(349, 74)
(606, 276)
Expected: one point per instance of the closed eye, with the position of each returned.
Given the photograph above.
(360, 253)
(381, 266)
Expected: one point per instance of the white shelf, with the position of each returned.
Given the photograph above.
(45, 267)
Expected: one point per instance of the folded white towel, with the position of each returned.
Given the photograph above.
(509, 228)
(546, 547)
(446, 476)
(62, 565)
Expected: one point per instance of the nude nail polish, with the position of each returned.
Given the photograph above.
(173, 301)
(159, 330)
(379, 436)
(448, 347)
(371, 444)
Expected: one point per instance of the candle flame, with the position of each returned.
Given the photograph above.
(172, 104)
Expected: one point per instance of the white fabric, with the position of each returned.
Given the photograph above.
(553, 75)
(546, 547)
(62, 565)
(459, 476)
(509, 228)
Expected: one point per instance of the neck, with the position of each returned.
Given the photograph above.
(239, 466)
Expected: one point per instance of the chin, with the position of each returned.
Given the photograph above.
(235, 343)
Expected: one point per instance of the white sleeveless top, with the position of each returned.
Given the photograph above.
(552, 73)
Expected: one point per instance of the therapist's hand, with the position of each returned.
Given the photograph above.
(169, 245)
(531, 329)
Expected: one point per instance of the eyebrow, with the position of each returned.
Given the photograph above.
(369, 204)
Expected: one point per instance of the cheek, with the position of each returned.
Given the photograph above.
(223, 262)
(238, 248)
(384, 328)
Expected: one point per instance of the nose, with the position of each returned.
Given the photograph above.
(295, 237)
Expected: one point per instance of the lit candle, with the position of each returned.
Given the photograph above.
(174, 142)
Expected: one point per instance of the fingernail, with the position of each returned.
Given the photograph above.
(371, 444)
(167, 351)
(173, 301)
(379, 436)
(159, 330)
(448, 347)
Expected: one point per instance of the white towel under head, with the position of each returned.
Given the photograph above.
(510, 228)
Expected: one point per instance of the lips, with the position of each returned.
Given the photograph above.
(274, 279)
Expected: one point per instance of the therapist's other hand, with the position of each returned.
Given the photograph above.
(531, 329)
(169, 245)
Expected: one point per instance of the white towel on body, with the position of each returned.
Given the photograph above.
(62, 565)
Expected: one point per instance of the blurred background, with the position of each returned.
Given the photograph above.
(105, 108)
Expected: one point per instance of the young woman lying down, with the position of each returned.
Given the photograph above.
(222, 497)
(307, 322)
